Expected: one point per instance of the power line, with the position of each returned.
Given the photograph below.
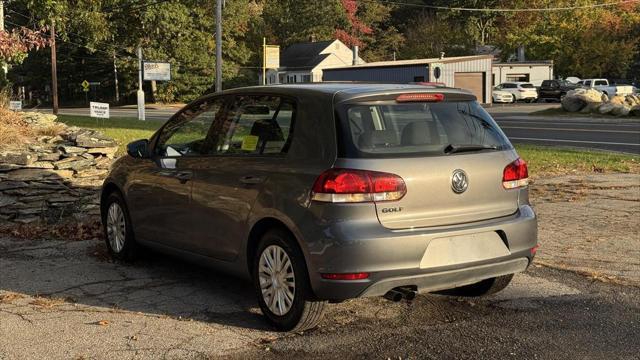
(67, 41)
(564, 8)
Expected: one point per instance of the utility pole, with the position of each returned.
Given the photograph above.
(115, 77)
(264, 61)
(141, 113)
(54, 70)
(5, 68)
(219, 45)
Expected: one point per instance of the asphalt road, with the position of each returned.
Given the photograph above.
(604, 134)
(585, 133)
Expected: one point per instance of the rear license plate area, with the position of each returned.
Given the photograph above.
(461, 249)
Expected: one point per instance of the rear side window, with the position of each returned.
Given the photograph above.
(416, 129)
(509, 86)
(257, 125)
(527, 86)
(601, 82)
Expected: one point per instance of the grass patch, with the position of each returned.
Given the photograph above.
(123, 130)
(543, 160)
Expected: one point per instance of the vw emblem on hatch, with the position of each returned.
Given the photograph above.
(459, 181)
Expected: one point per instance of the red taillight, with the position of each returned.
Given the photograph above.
(349, 276)
(420, 97)
(515, 175)
(351, 185)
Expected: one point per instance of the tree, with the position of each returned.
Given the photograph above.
(292, 21)
(370, 27)
(593, 42)
(92, 32)
(14, 45)
(428, 36)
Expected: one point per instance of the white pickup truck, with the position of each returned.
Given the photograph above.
(603, 85)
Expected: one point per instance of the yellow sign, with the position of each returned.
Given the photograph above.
(85, 86)
(271, 56)
(249, 143)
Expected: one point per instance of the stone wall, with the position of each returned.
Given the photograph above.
(55, 176)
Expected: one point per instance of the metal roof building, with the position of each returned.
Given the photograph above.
(467, 72)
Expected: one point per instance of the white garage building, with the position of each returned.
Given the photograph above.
(527, 71)
(468, 72)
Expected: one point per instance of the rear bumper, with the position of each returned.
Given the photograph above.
(503, 99)
(448, 279)
(393, 258)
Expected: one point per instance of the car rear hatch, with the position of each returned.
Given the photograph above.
(449, 152)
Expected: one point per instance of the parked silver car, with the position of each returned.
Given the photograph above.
(324, 192)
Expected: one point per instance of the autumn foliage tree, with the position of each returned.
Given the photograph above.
(15, 45)
(592, 42)
(351, 36)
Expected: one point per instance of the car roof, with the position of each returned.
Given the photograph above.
(343, 91)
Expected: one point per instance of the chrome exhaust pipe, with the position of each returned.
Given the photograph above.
(407, 293)
(393, 295)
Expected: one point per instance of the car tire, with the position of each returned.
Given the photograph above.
(481, 288)
(291, 304)
(118, 232)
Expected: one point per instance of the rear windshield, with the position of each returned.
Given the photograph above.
(527, 86)
(417, 129)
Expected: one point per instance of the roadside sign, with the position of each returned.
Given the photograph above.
(85, 86)
(159, 71)
(15, 105)
(94, 83)
(271, 56)
(99, 110)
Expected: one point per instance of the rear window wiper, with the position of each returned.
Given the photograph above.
(452, 149)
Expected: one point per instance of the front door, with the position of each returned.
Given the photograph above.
(251, 145)
(161, 188)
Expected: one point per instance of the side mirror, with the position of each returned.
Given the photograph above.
(138, 149)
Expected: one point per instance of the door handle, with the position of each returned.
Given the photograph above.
(252, 180)
(184, 176)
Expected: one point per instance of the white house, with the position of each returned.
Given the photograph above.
(527, 71)
(304, 62)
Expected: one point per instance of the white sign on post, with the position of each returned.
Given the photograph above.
(158, 71)
(99, 110)
(15, 105)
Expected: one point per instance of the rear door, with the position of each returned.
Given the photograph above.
(415, 141)
(250, 145)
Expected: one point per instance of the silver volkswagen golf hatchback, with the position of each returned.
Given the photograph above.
(319, 193)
